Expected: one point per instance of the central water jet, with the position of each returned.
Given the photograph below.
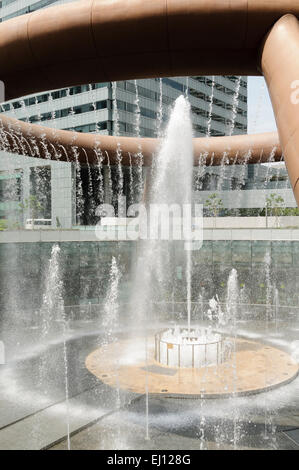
(196, 347)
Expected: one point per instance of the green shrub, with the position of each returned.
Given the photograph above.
(3, 224)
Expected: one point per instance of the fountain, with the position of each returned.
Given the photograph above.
(214, 363)
(175, 327)
(195, 348)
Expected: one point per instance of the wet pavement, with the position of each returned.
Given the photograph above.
(34, 413)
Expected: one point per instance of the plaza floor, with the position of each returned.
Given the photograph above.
(34, 413)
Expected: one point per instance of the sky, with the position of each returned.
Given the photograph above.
(260, 114)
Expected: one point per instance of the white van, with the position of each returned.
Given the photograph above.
(38, 224)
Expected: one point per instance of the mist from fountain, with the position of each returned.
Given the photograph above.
(269, 289)
(131, 181)
(90, 196)
(110, 326)
(109, 190)
(210, 115)
(79, 189)
(232, 311)
(100, 177)
(111, 306)
(53, 322)
(116, 132)
(137, 132)
(235, 105)
(242, 176)
(267, 177)
(171, 184)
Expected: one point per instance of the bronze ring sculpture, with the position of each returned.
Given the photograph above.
(107, 40)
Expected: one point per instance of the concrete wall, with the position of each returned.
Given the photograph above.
(250, 222)
(50, 236)
(247, 199)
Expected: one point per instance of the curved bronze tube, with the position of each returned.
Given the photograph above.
(280, 66)
(44, 142)
(105, 40)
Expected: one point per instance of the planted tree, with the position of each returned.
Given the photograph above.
(3, 224)
(214, 205)
(275, 207)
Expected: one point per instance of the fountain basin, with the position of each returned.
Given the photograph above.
(253, 368)
(178, 347)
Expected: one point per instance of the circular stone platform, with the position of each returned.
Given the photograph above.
(254, 368)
